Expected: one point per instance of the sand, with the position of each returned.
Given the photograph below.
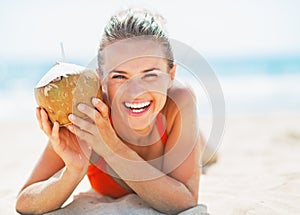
(258, 171)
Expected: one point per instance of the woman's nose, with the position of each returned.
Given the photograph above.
(135, 87)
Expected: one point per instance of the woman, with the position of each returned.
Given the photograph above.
(143, 138)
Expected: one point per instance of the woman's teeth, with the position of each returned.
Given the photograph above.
(137, 107)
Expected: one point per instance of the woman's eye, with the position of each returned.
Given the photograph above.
(150, 76)
(119, 77)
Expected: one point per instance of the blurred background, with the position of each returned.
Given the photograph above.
(252, 46)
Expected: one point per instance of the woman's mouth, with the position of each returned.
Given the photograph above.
(137, 108)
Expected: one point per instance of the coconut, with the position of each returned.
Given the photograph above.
(63, 87)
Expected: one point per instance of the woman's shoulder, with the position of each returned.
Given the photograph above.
(182, 95)
(179, 97)
(181, 101)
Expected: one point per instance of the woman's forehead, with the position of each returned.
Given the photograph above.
(142, 64)
(124, 51)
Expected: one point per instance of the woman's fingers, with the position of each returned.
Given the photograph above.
(83, 124)
(45, 123)
(38, 116)
(85, 148)
(87, 110)
(55, 139)
(100, 115)
(101, 107)
(55, 132)
(90, 111)
(81, 134)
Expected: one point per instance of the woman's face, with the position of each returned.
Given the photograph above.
(136, 80)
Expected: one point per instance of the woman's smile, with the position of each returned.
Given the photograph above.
(137, 108)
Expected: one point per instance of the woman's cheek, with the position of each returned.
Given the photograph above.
(111, 93)
(160, 101)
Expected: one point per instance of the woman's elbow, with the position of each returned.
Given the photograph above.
(20, 206)
(24, 205)
(181, 205)
(186, 205)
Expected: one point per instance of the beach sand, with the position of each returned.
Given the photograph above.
(257, 172)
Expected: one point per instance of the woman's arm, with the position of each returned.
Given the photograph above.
(170, 191)
(42, 192)
(176, 190)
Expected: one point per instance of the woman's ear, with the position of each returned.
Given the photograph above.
(103, 85)
(172, 72)
(98, 72)
(102, 82)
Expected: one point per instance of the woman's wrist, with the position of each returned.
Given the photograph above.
(74, 174)
(114, 147)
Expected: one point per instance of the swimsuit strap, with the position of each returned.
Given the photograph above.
(161, 129)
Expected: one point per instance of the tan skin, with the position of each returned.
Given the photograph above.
(178, 168)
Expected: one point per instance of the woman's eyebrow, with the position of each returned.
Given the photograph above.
(118, 71)
(149, 70)
(144, 71)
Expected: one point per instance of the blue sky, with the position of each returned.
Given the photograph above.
(34, 29)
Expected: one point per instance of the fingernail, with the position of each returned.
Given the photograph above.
(95, 101)
(81, 107)
(71, 117)
(43, 115)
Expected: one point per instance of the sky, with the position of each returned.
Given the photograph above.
(34, 29)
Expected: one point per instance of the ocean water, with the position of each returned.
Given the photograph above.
(257, 85)
(260, 85)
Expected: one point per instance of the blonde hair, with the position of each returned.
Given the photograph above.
(135, 22)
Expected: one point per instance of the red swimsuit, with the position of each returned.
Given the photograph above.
(103, 183)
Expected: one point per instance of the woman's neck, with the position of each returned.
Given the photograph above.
(143, 137)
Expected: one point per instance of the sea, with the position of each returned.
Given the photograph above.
(244, 85)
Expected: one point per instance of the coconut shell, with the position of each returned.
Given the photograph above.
(63, 88)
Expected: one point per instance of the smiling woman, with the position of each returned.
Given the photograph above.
(143, 138)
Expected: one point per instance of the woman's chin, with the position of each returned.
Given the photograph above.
(138, 121)
(140, 126)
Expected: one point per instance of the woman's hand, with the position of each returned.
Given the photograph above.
(74, 153)
(97, 130)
